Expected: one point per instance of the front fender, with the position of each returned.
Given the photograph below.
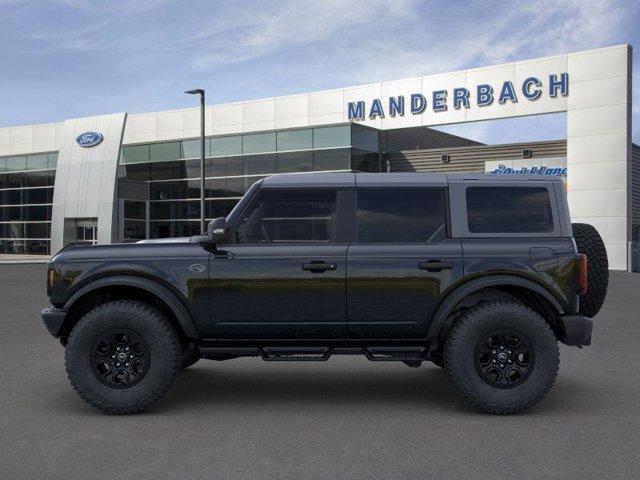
(173, 302)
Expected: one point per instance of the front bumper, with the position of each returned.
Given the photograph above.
(53, 319)
(576, 330)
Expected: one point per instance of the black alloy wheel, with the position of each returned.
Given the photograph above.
(120, 359)
(504, 358)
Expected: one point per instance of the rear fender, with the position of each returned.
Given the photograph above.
(448, 305)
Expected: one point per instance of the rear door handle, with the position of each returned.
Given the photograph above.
(435, 266)
(318, 266)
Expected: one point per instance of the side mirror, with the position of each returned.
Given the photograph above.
(217, 230)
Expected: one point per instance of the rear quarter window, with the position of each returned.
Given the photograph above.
(509, 210)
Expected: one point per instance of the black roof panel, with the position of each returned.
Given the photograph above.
(404, 179)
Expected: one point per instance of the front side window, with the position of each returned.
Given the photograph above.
(288, 216)
(389, 215)
(509, 210)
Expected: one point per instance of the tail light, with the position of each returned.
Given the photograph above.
(581, 268)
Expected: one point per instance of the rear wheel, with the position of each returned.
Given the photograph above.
(122, 356)
(502, 357)
(437, 358)
(590, 243)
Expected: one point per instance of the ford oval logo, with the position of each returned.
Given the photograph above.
(89, 139)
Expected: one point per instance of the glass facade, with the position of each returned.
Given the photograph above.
(26, 196)
(233, 163)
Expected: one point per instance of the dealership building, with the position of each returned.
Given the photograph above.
(124, 177)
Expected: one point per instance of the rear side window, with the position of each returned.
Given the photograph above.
(509, 210)
(401, 215)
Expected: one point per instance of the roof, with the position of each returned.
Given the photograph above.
(405, 179)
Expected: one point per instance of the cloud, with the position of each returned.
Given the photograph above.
(267, 47)
(290, 24)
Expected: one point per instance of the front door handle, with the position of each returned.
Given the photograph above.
(318, 266)
(435, 266)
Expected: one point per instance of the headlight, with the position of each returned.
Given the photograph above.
(51, 276)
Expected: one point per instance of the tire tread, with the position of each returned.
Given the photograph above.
(458, 335)
(589, 242)
(164, 329)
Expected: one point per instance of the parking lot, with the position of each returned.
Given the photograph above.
(345, 418)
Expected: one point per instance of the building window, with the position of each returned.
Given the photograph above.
(16, 164)
(295, 140)
(364, 138)
(135, 154)
(259, 164)
(331, 137)
(295, 162)
(223, 146)
(191, 148)
(362, 161)
(38, 162)
(162, 152)
(259, 143)
(338, 159)
(134, 210)
(26, 195)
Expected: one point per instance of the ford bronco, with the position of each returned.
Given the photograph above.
(479, 274)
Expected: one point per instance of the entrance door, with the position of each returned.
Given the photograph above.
(401, 262)
(282, 276)
(87, 232)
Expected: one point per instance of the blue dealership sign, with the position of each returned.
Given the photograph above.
(89, 139)
(543, 170)
(481, 95)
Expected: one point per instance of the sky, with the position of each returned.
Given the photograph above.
(74, 58)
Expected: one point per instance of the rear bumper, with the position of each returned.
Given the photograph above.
(53, 319)
(576, 330)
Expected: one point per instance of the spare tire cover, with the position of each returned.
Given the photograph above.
(590, 243)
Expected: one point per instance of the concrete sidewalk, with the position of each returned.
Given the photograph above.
(12, 258)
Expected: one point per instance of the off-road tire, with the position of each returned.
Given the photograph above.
(590, 243)
(437, 358)
(189, 357)
(148, 324)
(469, 331)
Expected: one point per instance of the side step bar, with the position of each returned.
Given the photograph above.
(293, 354)
(317, 354)
(396, 354)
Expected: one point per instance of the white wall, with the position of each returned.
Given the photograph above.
(30, 139)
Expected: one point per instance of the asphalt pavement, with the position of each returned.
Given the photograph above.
(346, 418)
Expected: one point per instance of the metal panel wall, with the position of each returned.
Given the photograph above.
(85, 185)
(470, 159)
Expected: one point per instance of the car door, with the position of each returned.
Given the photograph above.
(282, 275)
(401, 262)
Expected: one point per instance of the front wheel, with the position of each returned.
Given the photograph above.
(502, 357)
(122, 356)
(189, 357)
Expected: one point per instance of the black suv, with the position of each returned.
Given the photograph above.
(479, 274)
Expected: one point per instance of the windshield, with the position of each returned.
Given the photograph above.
(235, 211)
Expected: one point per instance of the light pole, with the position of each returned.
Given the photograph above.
(200, 91)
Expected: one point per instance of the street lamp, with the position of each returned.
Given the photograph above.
(200, 91)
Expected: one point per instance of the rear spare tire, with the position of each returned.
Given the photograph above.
(590, 243)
